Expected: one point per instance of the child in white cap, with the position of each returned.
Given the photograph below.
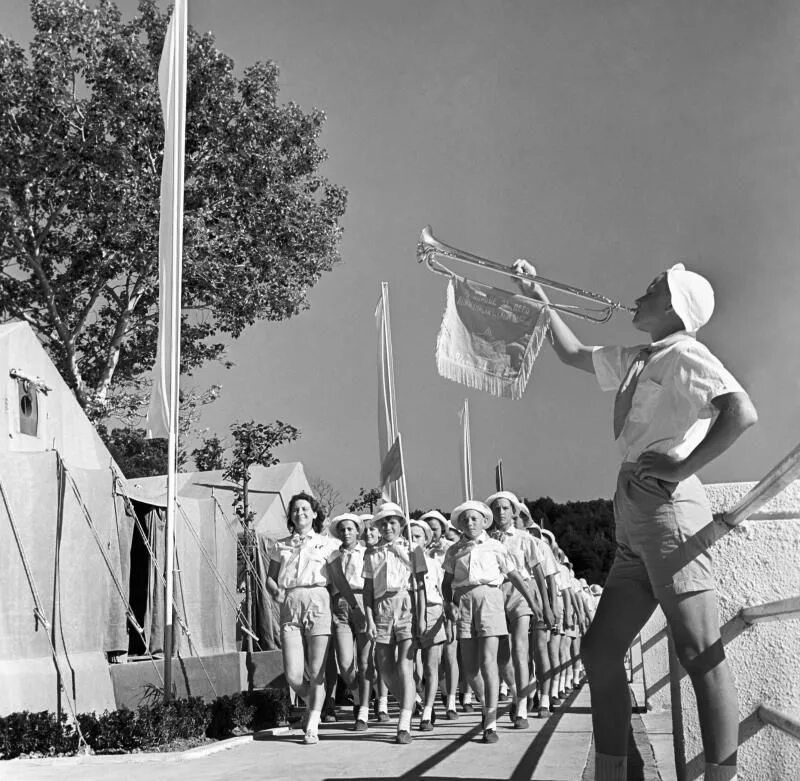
(393, 620)
(437, 547)
(541, 632)
(371, 537)
(676, 409)
(474, 571)
(515, 652)
(432, 639)
(353, 646)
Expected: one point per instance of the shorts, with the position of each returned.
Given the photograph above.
(393, 617)
(434, 634)
(662, 531)
(481, 613)
(516, 606)
(344, 620)
(307, 609)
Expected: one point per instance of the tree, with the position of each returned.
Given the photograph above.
(210, 455)
(366, 500)
(81, 138)
(135, 455)
(326, 494)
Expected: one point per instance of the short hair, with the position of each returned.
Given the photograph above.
(318, 523)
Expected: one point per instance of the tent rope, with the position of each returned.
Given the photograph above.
(128, 609)
(160, 572)
(225, 590)
(248, 564)
(39, 615)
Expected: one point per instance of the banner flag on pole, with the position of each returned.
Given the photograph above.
(489, 338)
(162, 414)
(498, 475)
(172, 90)
(465, 459)
(394, 487)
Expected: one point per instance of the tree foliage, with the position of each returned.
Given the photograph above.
(584, 530)
(325, 493)
(367, 500)
(81, 138)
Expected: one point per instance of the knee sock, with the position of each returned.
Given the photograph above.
(720, 772)
(610, 768)
(404, 722)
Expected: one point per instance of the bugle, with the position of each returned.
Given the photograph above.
(429, 247)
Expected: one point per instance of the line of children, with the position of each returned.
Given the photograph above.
(481, 595)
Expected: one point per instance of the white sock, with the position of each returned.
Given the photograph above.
(363, 713)
(426, 713)
(356, 697)
(610, 768)
(522, 709)
(720, 772)
(490, 725)
(503, 688)
(468, 697)
(544, 702)
(383, 704)
(312, 725)
(404, 722)
(418, 699)
(451, 702)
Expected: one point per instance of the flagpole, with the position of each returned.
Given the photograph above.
(177, 117)
(466, 453)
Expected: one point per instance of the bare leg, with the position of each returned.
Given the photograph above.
(294, 662)
(430, 660)
(487, 650)
(694, 622)
(623, 610)
(541, 656)
(520, 653)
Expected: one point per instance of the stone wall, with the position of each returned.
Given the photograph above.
(758, 562)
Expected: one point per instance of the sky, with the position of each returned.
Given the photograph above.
(603, 140)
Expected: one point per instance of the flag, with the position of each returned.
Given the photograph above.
(465, 459)
(498, 475)
(392, 465)
(489, 338)
(390, 454)
(162, 412)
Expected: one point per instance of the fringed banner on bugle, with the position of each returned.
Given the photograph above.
(489, 338)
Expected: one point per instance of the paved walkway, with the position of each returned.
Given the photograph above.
(553, 749)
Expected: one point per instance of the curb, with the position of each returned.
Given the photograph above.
(198, 752)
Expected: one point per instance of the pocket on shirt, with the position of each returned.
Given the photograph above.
(645, 400)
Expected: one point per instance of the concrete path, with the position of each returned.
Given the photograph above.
(553, 749)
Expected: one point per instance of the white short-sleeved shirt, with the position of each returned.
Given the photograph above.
(671, 411)
(522, 549)
(549, 563)
(388, 570)
(303, 560)
(562, 578)
(438, 549)
(479, 562)
(352, 565)
(433, 581)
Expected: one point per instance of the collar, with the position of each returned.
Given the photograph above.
(509, 532)
(297, 539)
(673, 338)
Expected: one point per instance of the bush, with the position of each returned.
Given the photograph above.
(151, 726)
(36, 733)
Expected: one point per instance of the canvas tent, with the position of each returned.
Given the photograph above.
(77, 588)
(61, 532)
(205, 501)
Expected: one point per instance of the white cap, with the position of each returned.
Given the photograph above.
(389, 510)
(483, 509)
(333, 527)
(692, 297)
(503, 495)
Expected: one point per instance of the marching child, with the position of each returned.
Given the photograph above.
(436, 548)
(433, 638)
(390, 585)
(515, 653)
(349, 621)
(475, 568)
(371, 537)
